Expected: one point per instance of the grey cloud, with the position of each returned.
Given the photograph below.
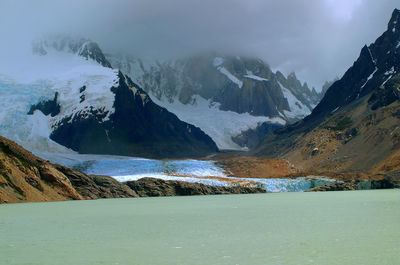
(319, 39)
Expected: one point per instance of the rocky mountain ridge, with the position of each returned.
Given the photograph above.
(354, 127)
(238, 84)
(376, 65)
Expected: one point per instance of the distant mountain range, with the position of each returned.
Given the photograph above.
(355, 127)
(236, 100)
(74, 96)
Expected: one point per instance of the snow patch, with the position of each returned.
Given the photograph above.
(372, 57)
(390, 72)
(333, 111)
(297, 109)
(218, 61)
(254, 77)
(230, 76)
(369, 78)
(387, 79)
(96, 81)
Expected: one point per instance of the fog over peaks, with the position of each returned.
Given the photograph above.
(319, 39)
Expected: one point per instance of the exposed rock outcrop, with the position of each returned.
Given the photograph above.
(152, 187)
(95, 186)
(47, 107)
(337, 186)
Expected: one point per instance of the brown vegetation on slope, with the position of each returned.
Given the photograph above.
(256, 167)
(25, 177)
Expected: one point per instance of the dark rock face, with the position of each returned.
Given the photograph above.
(252, 138)
(386, 95)
(91, 50)
(47, 107)
(255, 97)
(327, 85)
(138, 127)
(151, 187)
(390, 180)
(376, 64)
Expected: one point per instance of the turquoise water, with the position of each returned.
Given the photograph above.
(355, 227)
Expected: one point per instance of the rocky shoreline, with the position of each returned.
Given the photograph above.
(25, 177)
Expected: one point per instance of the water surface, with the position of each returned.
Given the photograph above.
(354, 227)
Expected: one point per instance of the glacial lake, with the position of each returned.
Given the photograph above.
(352, 227)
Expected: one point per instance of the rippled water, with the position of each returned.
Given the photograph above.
(355, 227)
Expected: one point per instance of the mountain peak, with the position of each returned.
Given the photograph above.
(80, 46)
(292, 75)
(394, 23)
(375, 66)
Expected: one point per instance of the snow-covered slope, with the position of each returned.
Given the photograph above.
(76, 99)
(297, 108)
(218, 124)
(223, 95)
(36, 79)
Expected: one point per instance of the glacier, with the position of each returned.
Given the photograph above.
(220, 125)
(30, 131)
(37, 78)
(197, 171)
(297, 109)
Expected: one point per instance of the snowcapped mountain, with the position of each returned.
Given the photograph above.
(82, 47)
(226, 96)
(77, 100)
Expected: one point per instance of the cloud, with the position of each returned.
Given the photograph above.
(319, 39)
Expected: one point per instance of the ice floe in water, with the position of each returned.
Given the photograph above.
(197, 171)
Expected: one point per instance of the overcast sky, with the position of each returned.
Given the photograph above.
(318, 39)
